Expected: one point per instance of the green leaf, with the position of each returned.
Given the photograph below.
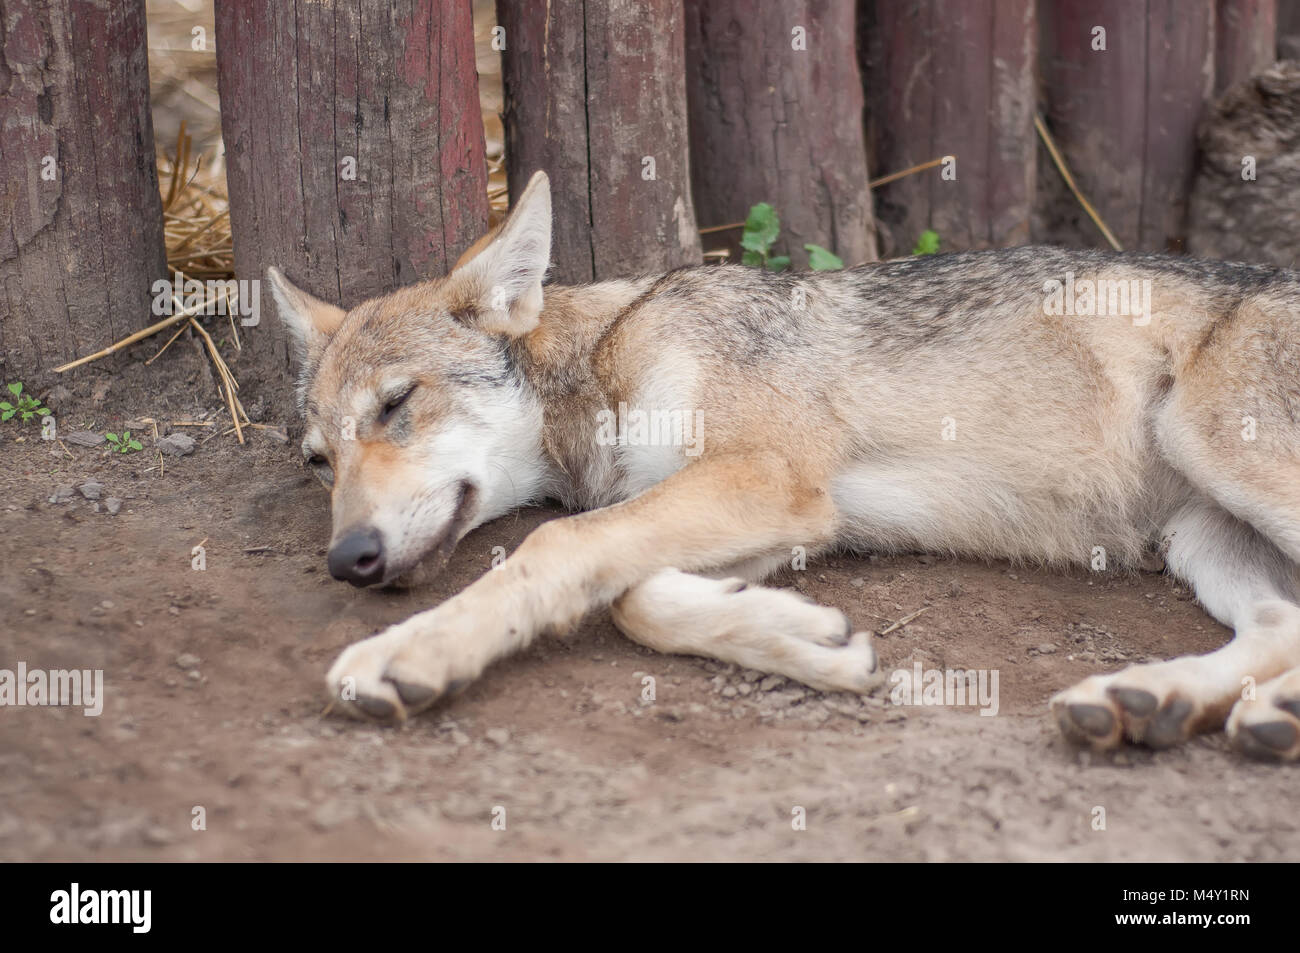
(761, 228)
(927, 244)
(5, 405)
(16, 388)
(112, 437)
(135, 445)
(819, 259)
(752, 258)
(7, 414)
(778, 263)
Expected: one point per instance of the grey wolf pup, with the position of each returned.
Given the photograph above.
(1030, 404)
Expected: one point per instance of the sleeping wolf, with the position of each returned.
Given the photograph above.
(1029, 404)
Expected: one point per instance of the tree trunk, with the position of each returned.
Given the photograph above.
(78, 182)
(951, 78)
(776, 116)
(1245, 40)
(354, 144)
(1124, 117)
(595, 95)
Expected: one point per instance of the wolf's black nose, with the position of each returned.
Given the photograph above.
(358, 557)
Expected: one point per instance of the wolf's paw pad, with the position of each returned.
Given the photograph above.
(1103, 711)
(1268, 726)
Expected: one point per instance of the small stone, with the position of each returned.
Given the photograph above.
(1047, 648)
(188, 661)
(83, 438)
(857, 583)
(62, 494)
(498, 736)
(107, 604)
(158, 836)
(176, 445)
(459, 738)
(91, 489)
(332, 814)
(729, 692)
(112, 505)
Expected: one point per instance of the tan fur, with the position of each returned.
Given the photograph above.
(921, 405)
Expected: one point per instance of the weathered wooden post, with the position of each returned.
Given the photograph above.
(82, 236)
(595, 95)
(776, 116)
(354, 144)
(1245, 40)
(1288, 29)
(951, 78)
(1125, 85)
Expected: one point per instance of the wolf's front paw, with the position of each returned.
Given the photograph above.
(1141, 703)
(394, 674)
(1268, 726)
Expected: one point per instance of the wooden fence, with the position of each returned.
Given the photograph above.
(356, 149)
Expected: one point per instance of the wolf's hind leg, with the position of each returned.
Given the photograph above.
(771, 630)
(1245, 582)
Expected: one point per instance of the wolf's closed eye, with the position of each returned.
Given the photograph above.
(391, 406)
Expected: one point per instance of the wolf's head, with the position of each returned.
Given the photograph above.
(415, 418)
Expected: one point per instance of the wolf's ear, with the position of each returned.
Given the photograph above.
(311, 322)
(499, 279)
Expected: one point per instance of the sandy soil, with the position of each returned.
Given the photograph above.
(214, 693)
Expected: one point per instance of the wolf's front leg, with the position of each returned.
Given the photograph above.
(714, 512)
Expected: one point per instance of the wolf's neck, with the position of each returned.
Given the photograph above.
(573, 320)
(557, 362)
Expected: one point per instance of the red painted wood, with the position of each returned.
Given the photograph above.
(1245, 40)
(307, 87)
(951, 77)
(776, 115)
(1124, 118)
(592, 90)
(78, 253)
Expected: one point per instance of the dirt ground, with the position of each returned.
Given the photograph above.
(214, 693)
